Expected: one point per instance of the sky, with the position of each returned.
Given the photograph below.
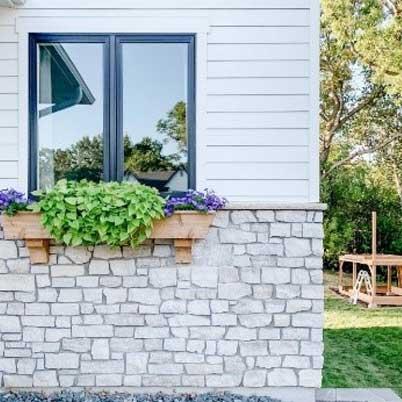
(154, 80)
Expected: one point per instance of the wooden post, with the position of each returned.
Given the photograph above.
(340, 278)
(38, 250)
(354, 275)
(374, 236)
(389, 280)
(183, 251)
(374, 255)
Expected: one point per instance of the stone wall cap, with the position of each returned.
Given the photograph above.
(280, 206)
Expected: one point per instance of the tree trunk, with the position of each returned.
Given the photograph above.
(397, 181)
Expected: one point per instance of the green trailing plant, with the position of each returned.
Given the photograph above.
(86, 213)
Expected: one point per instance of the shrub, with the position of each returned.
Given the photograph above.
(352, 194)
(86, 213)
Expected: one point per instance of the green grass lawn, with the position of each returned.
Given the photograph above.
(363, 348)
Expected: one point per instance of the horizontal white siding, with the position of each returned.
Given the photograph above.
(258, 126)
(260, 68)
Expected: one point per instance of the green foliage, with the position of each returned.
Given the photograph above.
(373, 29)
(147, 156)
(363, 347)
(16, 207)
(175, 125)
(85, 213)
(352, 194)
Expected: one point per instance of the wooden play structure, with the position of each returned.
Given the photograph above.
(364, 287)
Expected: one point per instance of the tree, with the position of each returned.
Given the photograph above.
(82, 160)
(147, 156)
(372, 30)
(175, 125)
(357, 114)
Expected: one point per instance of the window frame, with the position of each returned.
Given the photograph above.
(113, 149)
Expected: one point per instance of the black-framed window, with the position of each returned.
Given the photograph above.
(112, 107)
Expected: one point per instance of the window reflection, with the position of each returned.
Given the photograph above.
(70, 112)
(155, 114)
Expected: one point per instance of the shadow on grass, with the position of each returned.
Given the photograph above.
(363, 358)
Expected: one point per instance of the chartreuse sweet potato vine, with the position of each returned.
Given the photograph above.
(85, 213)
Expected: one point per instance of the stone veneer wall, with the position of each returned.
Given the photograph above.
(247, 313)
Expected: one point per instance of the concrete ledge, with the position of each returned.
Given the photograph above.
(357, 395)
(283, 394)
(279, 206)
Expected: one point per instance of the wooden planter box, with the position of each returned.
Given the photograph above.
(183, 227)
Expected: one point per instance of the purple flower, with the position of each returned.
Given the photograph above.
(11, 196)
(206, 201)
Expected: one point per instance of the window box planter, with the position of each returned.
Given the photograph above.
(183, 227)
(27, 226)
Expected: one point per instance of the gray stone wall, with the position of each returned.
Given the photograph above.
(247, 313)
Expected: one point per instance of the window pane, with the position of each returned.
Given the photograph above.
(154, 114)
(70, 112)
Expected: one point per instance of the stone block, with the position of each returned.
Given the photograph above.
(65, 309)
(100, 349)
(67, 270)
(236, 236)
(268, 362)
(8, 249)
(255, 378)
(255, 320)
(199, 307)
(15, 282)
(295, 247)
(144, 295)
(148, 332)
(7, 365)
(17, 381)
(310, 378)
(114, 296)
(92, 331)
(243, 334)
(275, 275)
(254, 348)
(109, 380)
(174, 345)
(313, 230)
(221, 219)
(224, 380)
(64, 360)
(187, 320)
(9, 324)
(136, 363)
(207, 332)
(19, 266)
(70, 295)
(45, 379)
(307, 320)
(283, 347)
(265, 216)
(234, 291)
(78, 255)
(204, 277)
(123, 267)
(99, 267)
(103, 367)
(56, 334)
(77, 345)
(106, 252)
(291, 216)
(282, 377)
(162, 278)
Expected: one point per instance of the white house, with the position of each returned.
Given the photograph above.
(226, 91)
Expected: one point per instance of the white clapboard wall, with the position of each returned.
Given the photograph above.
(261, 126)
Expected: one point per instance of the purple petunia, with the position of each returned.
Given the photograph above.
(11, 196)
(206, 201)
